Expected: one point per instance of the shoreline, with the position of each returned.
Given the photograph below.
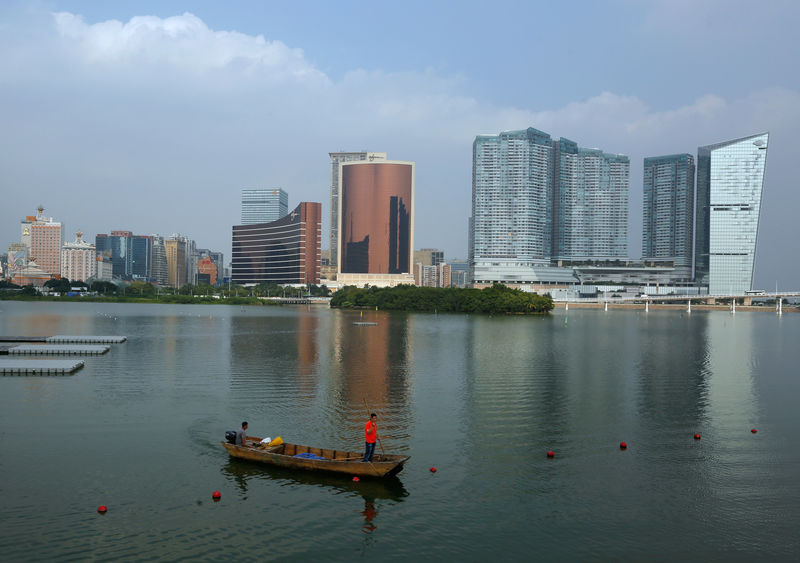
(674, 307)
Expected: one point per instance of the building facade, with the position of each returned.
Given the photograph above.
(668, 211)
(536, 200)
(119, 246)
(175, 251)
(263, 205)
(159, 271)
(142, 257)
(78, 259)
(730, 181)
(336, 159)
(376, 223)
(428, 256)
(286, 251)
(590, 204)
(44, 238)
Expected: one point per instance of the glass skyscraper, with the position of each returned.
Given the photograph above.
(338, 158)
(535, 199)
(730, 180)
(263, 205)
(668, 211)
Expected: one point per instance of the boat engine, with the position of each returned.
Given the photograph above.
(230, 436)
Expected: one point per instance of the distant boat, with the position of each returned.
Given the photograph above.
(365, 323)
(295, 456)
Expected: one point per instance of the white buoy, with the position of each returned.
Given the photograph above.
(606, 306)
(647, 306)
(689, 307)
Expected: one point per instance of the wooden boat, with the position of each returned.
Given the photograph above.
(295, 456)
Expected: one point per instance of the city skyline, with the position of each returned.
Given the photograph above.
(131, 152)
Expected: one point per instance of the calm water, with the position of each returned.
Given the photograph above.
(482, 399)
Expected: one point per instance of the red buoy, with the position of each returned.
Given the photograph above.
(102, 509)
(433, 470)
(216, 495)
(356, 479)
(551, 454)
(697, 436)
(623, 445)
(753, 430)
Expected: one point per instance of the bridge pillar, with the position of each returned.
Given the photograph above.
(711, 301)
(747, 301)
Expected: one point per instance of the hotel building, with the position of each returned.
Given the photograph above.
(43, 237)
(376, 223)
(286, 251)
(78, 259)
(730, 181)
(338, 158)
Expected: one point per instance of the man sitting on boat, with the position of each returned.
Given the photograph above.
(241, 435)
(371, 433)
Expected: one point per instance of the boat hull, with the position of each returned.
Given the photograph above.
(336, 461)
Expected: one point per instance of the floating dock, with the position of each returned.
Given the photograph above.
(39, 367)
(57, 350)
(66, 339)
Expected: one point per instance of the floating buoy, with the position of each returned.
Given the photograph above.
(216, 495)
(433, 470)
(551, 454)
(623, 445)
(356, 479)
(102, 509)
(697, 436)
(753, 430)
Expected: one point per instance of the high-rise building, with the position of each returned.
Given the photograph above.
(590, 204)
(216, 257)
(376, 223)
(120, 246)
(535, 199)
(142, 257)
(336, 159)
(286, 251)
(428, 256)
(175, 250)
(263, 205)
(43, 237)
(159, 271)
(668, 211)
(78, 259)
(730, 180)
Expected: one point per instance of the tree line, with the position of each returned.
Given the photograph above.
(498, 299)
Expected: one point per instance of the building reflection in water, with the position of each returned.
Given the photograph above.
(673, 368)
(370, 364)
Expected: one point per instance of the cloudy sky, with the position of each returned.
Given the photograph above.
(151, 116)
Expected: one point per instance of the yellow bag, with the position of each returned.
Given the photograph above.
(276, 442)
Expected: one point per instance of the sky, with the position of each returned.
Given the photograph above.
(152, 116)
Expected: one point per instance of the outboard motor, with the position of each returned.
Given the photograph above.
(230, 436)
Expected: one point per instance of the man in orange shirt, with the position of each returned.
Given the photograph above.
(371, 433)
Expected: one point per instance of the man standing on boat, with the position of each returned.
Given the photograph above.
(241, 435)
(371, 433)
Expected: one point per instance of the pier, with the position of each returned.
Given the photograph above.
(46, 367)
(66, 339)
(57, 350)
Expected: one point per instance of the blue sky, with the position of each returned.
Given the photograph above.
(151, 116)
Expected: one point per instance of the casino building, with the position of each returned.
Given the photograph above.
(376, 223)
(286, 251)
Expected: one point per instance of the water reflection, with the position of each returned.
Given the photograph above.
(370, 364)
(241, 472)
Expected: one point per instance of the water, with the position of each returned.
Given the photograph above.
(480, 398)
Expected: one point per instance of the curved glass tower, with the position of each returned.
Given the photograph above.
(730, 179)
